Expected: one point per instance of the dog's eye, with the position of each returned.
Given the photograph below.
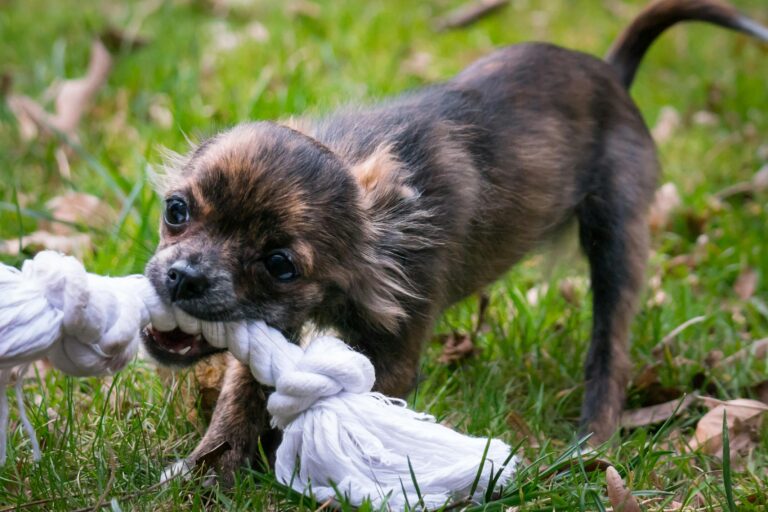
(280, 266)
(176, 211)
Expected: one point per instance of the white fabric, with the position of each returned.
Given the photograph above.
(336, 432)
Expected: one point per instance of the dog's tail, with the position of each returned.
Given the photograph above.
(628, 50)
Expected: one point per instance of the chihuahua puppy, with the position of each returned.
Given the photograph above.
(373, 220)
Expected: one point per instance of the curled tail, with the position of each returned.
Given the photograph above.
(628, 50)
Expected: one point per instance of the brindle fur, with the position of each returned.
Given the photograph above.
(394, 212)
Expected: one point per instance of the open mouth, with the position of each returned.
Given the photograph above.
(178, 342)
(176, 346)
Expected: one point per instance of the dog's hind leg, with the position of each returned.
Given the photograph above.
(614, 235)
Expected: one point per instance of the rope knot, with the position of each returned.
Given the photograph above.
(326, 368)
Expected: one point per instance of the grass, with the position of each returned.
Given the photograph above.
(106, 441)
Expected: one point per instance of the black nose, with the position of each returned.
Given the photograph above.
(185, 281)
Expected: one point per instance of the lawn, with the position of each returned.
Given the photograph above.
(207, 65)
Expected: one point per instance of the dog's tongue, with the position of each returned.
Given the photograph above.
(176, 341)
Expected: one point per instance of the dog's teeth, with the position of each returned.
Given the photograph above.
(184, 350)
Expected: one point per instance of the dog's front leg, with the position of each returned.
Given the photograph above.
(240, 421)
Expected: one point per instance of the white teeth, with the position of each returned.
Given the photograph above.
(187, 323)
(184, 350)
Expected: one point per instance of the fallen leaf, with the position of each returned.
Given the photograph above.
(743, 416)
(75, 96)
(656, 413)
(77, 244)
(469, 13)
(621, 498)
(665, 202)
(76, 208)
(72, 99)
(668, 122)
(456, 347)
(746, 283)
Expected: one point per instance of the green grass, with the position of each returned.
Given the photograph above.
(106, 442)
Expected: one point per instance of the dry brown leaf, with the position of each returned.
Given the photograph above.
(668, 122)
(77, 244)
(665, 202)
(469, 13)
(72, 99)
(743, 417)
(746, 283)
(76, 208)
(621, 498)
(456, 347)
(75, 96)
(655, 413)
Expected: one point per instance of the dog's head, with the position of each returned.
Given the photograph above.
(263, 222)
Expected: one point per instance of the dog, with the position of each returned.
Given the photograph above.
(372, 220)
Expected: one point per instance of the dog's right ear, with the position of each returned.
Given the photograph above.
(395, 223)
(382, 179)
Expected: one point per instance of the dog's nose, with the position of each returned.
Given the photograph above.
(185, 281)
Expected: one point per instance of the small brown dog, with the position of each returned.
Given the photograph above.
(371, 221)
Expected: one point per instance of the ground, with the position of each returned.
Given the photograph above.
(209, 64)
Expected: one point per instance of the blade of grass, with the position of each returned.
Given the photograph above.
(727, 476)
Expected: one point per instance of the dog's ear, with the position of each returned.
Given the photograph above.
(382, 179)
(394, 224)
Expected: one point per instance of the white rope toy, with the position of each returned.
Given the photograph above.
(336, 432)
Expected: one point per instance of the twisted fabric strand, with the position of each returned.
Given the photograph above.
(338, 436)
